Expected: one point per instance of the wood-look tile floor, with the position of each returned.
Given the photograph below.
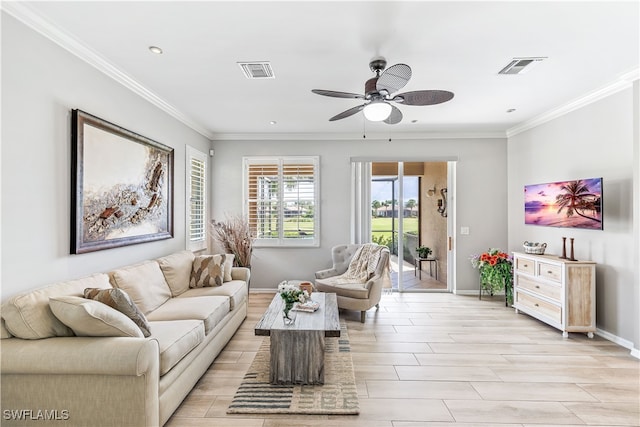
(443, 360)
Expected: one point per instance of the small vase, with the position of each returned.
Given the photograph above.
(288, 315)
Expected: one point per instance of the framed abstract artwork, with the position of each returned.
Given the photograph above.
(121, 186)
(573, 204)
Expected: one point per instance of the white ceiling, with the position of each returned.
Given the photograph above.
(455, 46)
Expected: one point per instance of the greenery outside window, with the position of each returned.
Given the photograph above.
(282, 200)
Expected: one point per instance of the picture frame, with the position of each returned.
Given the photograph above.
(121, 186)
(567, 204)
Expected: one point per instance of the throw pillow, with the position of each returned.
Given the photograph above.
(228, 265)
(207, 270)
(120, 300)
(88, 318)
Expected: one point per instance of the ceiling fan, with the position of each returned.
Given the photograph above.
(379, 92)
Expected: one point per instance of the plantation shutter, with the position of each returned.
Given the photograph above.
(196, 205)
(263, 200)
(282, 200)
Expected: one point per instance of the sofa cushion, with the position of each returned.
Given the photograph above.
(351, 290)
(176, 339)
(236, 290)
(177, 270)
(29, 316)
(228, 266)
(4, 332)
(119, 300)
(207, 270)
(88, 318)
(144, 283)
(209, 309)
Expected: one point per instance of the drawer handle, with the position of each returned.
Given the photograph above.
(525, 265)
(549, 272)
(536, 304)
(537, 286)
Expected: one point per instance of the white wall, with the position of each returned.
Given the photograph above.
(41, 84)
(594, 141)
(481, 197)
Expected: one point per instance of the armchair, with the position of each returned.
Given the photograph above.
(356, 293)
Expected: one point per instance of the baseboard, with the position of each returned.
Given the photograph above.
(475, 292)
(263, 291)
(620, 341)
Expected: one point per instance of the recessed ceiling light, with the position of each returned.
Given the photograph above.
(156, 50)
(272, 122)
(511, 110)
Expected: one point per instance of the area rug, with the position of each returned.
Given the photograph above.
(338, 395)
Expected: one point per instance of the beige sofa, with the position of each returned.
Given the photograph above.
(50, 376)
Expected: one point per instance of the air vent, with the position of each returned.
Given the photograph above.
(521, 65)
(257, 70)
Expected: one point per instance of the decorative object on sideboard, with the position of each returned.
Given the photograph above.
(534, 248)
(121, 186)
(564, 248)
(573, 204)
(442, 203)
(571, 257)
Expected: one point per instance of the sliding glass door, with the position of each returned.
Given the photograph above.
(405, 211)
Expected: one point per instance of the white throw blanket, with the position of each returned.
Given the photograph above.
(363, 265)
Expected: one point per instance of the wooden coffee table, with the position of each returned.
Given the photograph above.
(297, 350)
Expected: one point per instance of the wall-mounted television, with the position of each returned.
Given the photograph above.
(573, 204)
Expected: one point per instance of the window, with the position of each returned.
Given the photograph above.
(196, 203)
(281, 200)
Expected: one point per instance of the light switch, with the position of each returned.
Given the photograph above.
(464, 230)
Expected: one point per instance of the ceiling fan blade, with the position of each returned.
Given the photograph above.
(423, 97)
(395, 117)
(337, 94)
(394, 78)
(347, 113)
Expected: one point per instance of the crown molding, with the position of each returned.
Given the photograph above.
(25, 14)
(623, 82)
(352, 136)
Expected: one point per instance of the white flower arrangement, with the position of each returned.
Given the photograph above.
(291, 293)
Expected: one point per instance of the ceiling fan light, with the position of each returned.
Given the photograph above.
(377, 111)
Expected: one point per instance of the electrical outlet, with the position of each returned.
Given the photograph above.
(464, 230)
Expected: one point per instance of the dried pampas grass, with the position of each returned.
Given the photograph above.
(235, 236)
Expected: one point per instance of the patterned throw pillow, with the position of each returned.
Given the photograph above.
(207, 271)
(88, 318)
(228, 265)
(121, 301)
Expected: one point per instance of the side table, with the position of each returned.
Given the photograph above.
(418, 266)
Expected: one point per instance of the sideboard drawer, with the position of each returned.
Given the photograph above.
(525, 265)
(545, 289)
(557, 291)
(550, 271)
(537, 305)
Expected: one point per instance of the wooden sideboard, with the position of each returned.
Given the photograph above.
(559, 292)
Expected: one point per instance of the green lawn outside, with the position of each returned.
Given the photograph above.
(381, 225)
(293, 227)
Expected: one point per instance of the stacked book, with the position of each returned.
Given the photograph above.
(309, 306)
